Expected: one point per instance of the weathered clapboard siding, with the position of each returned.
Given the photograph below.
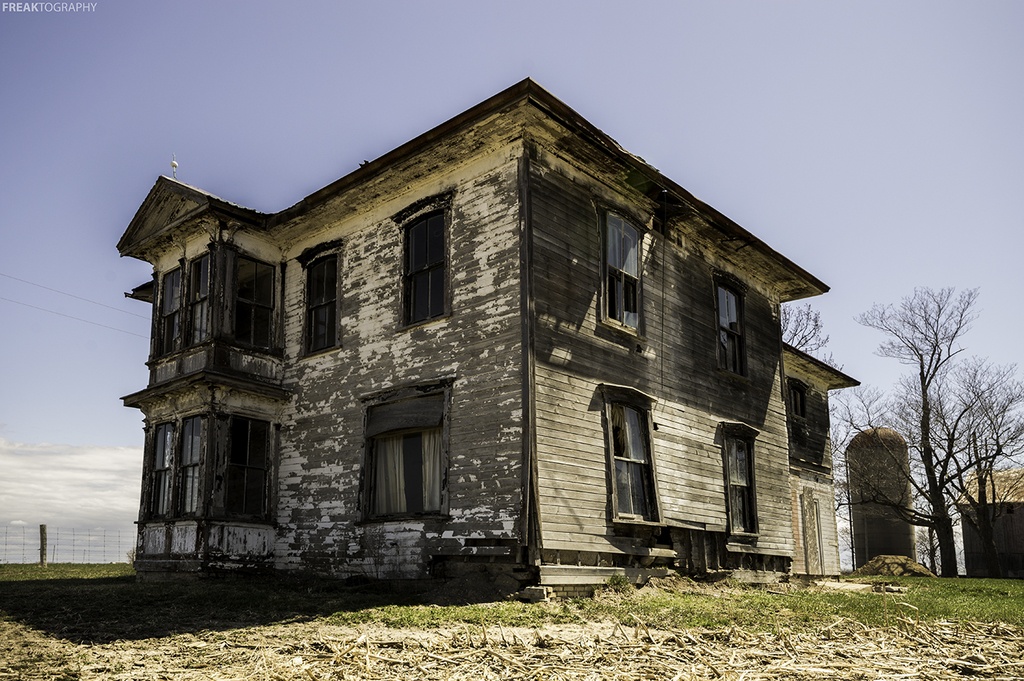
(477, 347)
(672, 359)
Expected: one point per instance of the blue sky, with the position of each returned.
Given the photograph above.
(879, 145)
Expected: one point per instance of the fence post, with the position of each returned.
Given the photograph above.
(42, 546)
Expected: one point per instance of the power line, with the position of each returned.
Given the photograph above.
(77, 319)
(72, 295)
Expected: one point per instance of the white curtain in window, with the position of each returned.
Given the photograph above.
(432, 472)
(389, 477)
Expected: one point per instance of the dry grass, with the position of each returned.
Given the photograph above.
(618, 635)
(320, 651)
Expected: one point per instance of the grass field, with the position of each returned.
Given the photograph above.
(54, 618)
(107, 603)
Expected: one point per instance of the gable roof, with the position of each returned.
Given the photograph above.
(170, 200)
(171, 203)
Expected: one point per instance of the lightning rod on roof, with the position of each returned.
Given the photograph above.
(174, 167)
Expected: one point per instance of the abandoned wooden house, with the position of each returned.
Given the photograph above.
(507, 346)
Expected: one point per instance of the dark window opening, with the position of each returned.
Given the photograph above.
(622, 269)
(199, 298)
(163, 448)
(189, 478)
(254, 303)
(730, 331)
(407, 473)
(246, 475)
(170, 313)
(739, 469)
(406, 451)
(634, 480)
(425, 269)
(797, 399)
(322, 304)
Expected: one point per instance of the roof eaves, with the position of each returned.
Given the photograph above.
(838, 378)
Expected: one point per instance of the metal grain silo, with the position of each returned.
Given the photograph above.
(878, 466)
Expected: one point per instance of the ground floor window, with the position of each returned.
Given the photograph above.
(246, 474)
(406, 454)
(741, 498)
(188, 475)
(208, 467)
(630, 451)
(407, 473)
(162, 470)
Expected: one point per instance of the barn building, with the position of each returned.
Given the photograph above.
(1002, 508)
(508, 347)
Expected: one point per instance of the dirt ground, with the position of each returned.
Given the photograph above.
(317, 651)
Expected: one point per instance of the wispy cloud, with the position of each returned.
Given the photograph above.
(77, 486)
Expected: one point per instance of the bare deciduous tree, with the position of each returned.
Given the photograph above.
(924, 332)
(803, 329)
(991, 400)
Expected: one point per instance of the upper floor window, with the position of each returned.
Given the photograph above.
(425, 268)
(622, 271)
(731, 353)
(797, 398)
(406, 456)
(738, 452)
(254, 303)
(199, 298)
(169, 337)
(322, 304)
(247, 467)
(161, 475)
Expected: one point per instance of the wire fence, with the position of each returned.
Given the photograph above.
(22, 544)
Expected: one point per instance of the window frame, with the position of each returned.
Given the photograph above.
(621, 397)
(796, 398)
(233, 468)
(189, 472)
(200, 317)
(169, 313)
(254, 304)
(616, 280)
(161, 471)
(735, 434)
(401, 414)
(732, 354)
(330, 304)
(413, 272)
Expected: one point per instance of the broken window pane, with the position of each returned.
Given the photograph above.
(634, 480)
(622, 268)
(739, 464)
(730, 330)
